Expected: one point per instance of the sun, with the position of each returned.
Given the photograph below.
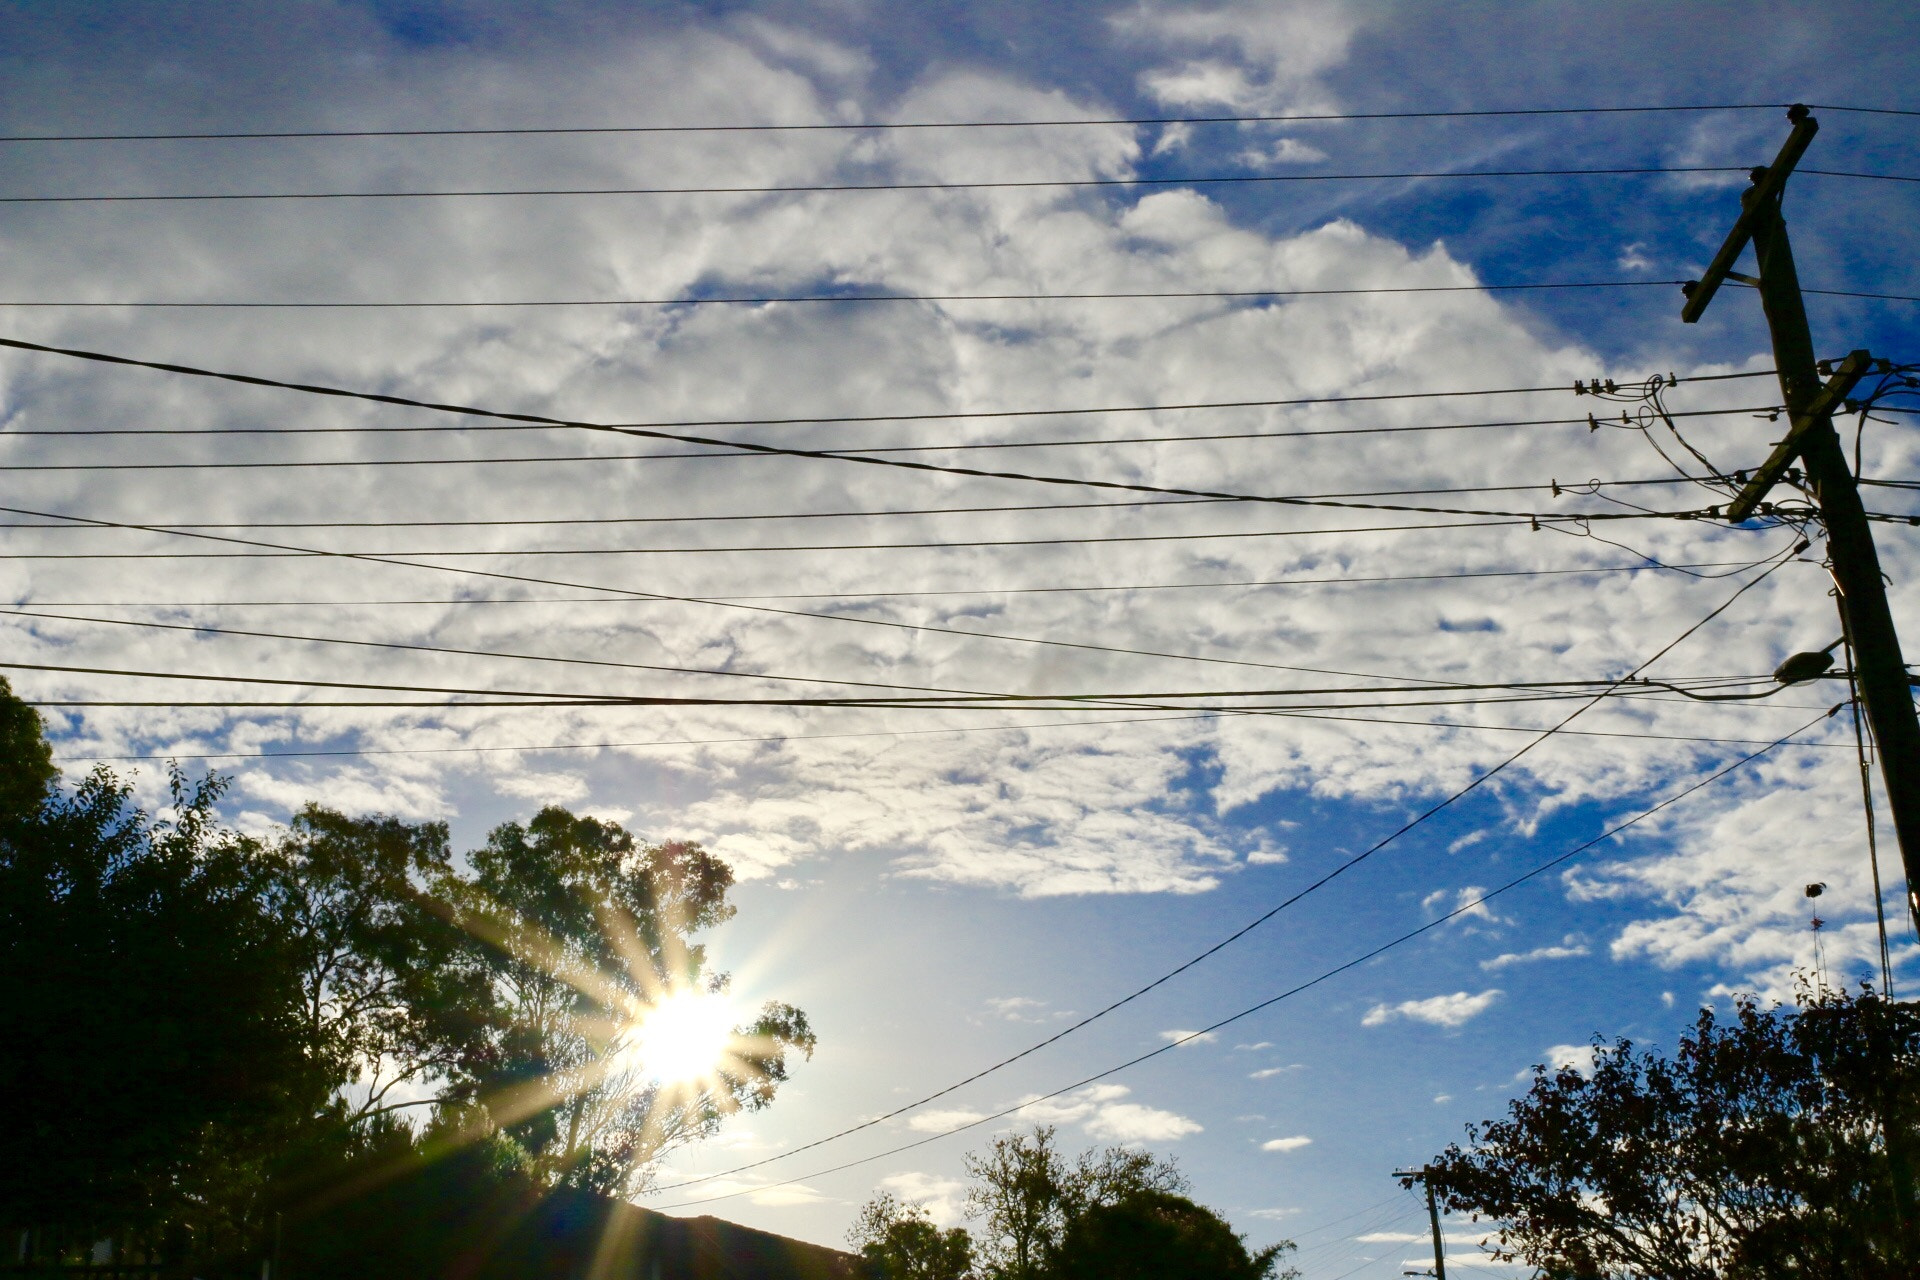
(684, 1038)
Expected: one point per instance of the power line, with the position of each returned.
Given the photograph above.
(83, 433)
(642, 666)
(1520, 691)
(772, 299)
(1268, 1003)
(527, 748)
(1522, 520)
(550, 582)
(1338, 580)
(543, 422)
(628, 520)
(845, 126)
(1475, 784)
(779, 450)
(827, 188)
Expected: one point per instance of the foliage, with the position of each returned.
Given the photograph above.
(1777, 1143)
(1028, 1194)
(1152, 1234)
(204, 1030)
(585, 930)
(393, 994)
(1117, 1212)
(149, 1013)
(900, 1242)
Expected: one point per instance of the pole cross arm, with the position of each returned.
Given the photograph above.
(1768, 184)
(1845, 377)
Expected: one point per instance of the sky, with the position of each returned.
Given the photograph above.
(943, 887)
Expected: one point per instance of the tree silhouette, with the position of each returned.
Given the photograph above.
(1776, 1143)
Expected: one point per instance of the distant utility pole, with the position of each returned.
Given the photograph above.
(1811, 440)
(1433, 1216)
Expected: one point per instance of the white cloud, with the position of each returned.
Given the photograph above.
(1097, 1109)
(1131, 1122)
(1276, 1214)
(1564, 951)
(1281, 151)
(1243, 54)
(1442, 1011)
(1577, 1056)
(1286, 1144)
(945, 1199)
(785, 1197)
(942, 1121)
(1189, 1038)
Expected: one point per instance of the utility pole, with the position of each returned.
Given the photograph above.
(1811, 439)
(1433, 1216)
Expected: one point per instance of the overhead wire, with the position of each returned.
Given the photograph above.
(1478, 781)
(529, 748)
(1004, 184)
(846, 126)
(1463, 908)
(1143, 295)
(497, 575)
(780, 450)
(1528, 519)
(1734, 567)
(82, 433)
(1514, 691)
(522, 522)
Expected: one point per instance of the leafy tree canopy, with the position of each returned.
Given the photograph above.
(204, 1029)
(1778, 1142)
(1153, 1234)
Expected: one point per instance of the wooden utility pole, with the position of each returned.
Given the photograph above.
(1433, 1217)
(1811, 439)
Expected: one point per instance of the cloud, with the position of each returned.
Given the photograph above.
(1276, 1214)
(1441, 1011)
(1189, 1038)
(945, 1199)
(1097, 1109)
(786, 1196)
(1286, 1144)
(1467, 901)
(1244, 54)
(941, 1121)
(1577, 1056)
(1130, 1122)
(1564, 951)
(1281, 151)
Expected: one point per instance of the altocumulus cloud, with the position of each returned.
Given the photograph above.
(1442, 1011)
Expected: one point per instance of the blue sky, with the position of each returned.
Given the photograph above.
(940, 889)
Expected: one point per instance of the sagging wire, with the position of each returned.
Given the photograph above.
(1577, 528)
(1896, 380)
(1863, 750)
(1649, 405)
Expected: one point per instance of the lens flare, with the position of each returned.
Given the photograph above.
(684, 1038)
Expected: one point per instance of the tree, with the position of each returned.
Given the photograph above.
(1153, 1234)
(394, 993)
(1777, 1143)
(900, 1242)
(586, 932)
(153, 1061)
(1028, 1195)
(201, 1029)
